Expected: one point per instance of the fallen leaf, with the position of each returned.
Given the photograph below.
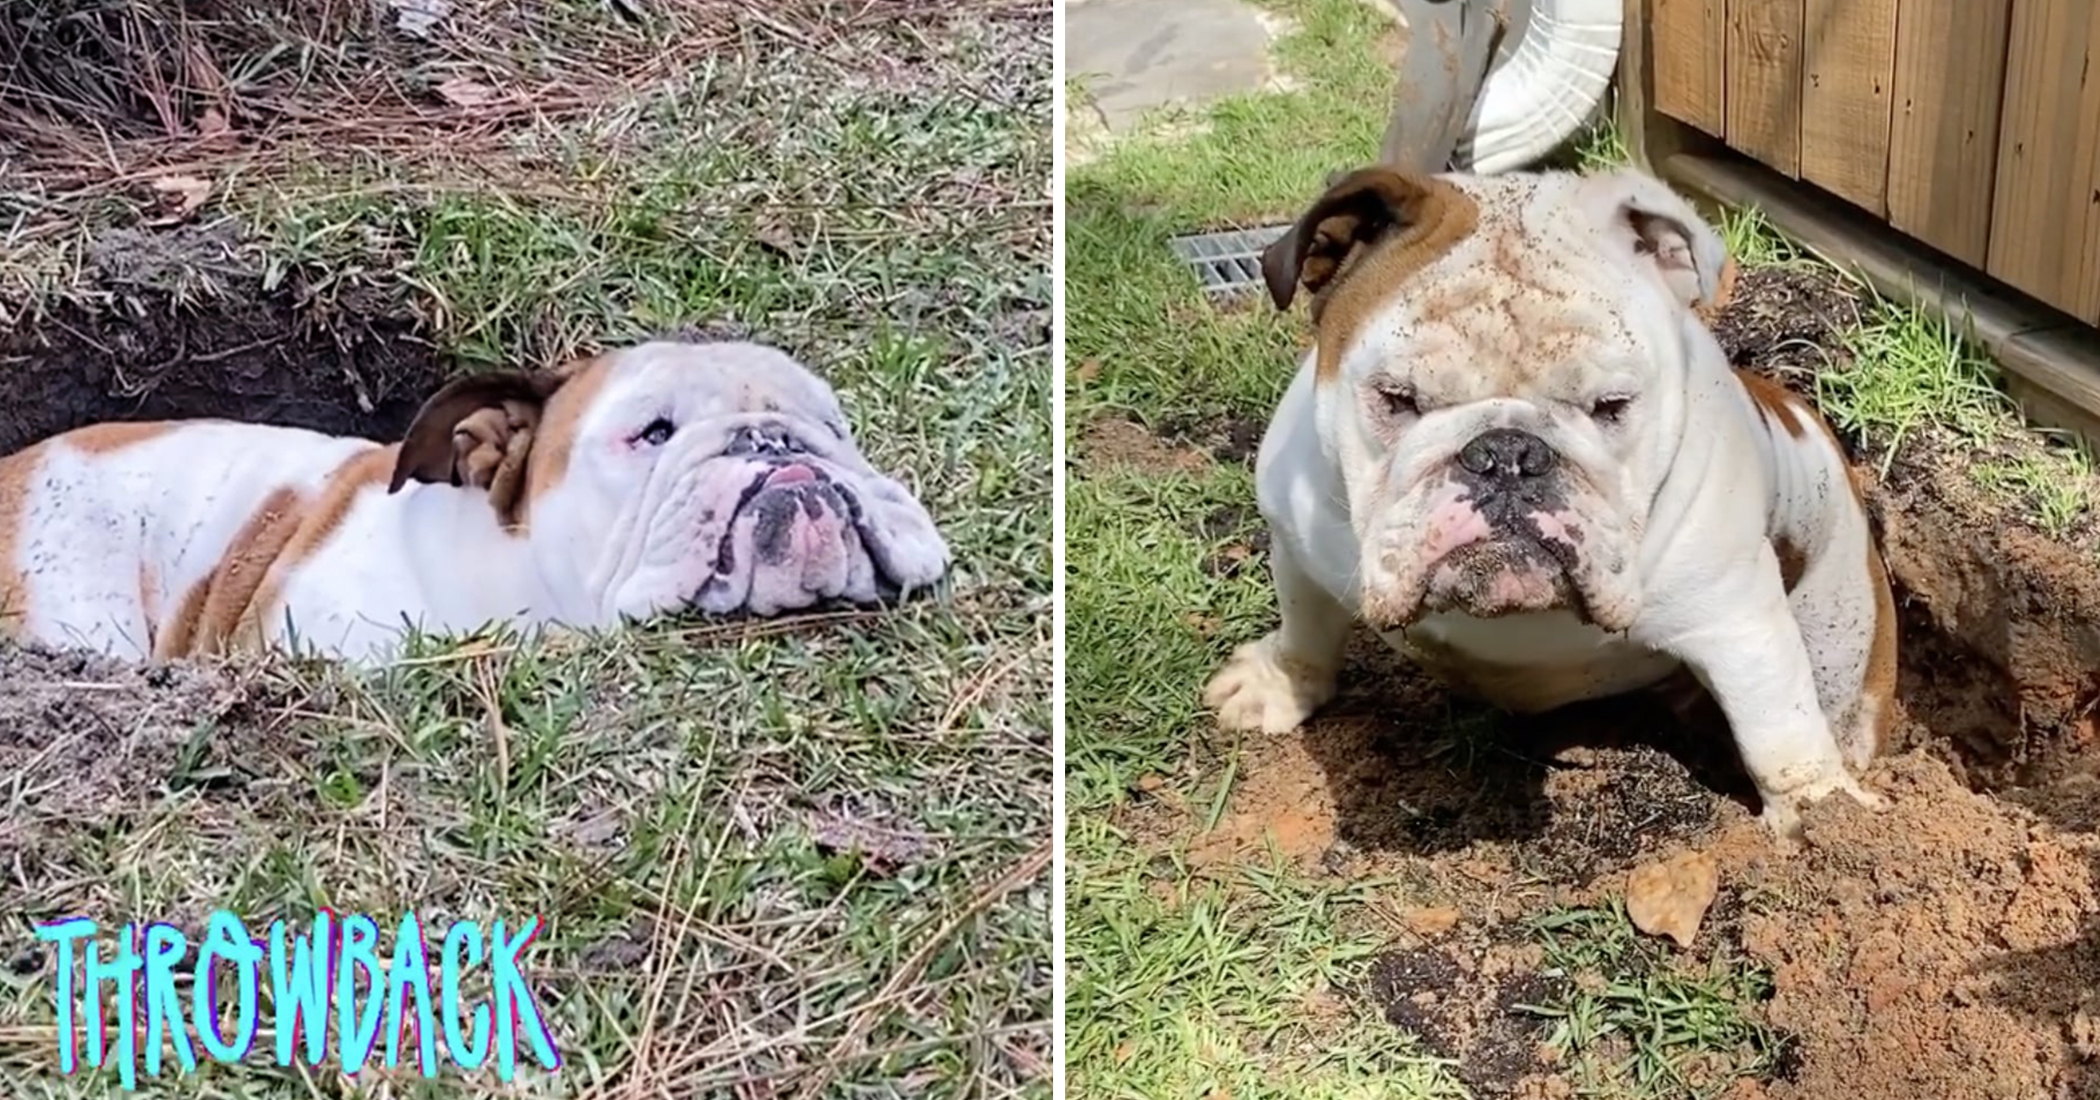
(180, 196)
(1150, 783)
(1206, 625)
(1088, 371)
(1669, 898)
(1429, 921)
(883, 850)
(461, 92)
(775, 235)
(212, 124)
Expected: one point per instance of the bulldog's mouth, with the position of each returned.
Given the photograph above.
(1506, 575)
(1481, 550)
(808, 542)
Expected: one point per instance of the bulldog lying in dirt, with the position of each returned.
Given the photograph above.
(1518, 453)
(647, 480)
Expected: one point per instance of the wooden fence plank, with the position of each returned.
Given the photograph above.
(2044, 223)
(1943, 142)
(1690, 40)
(1848, 62)
(1764, 81)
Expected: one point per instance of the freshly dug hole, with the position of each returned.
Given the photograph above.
(2002, 622)
(177, 325)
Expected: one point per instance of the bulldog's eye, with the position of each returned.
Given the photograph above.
(1608, 410)
(657, 433)
(1399, 400)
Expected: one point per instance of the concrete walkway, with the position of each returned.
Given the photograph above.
(1136, 56)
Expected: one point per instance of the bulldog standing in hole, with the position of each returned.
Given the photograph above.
(643, 481)
(1517, 452)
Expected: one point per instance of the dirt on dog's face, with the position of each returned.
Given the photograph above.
(717, 476)
(1490, 352)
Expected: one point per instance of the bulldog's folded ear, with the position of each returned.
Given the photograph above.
(1668, 235)
(1358, 210)
(477, 430)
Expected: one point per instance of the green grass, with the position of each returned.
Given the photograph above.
(1180, 982)
(1202, 1008)
(1636, 1022)
(807, 857)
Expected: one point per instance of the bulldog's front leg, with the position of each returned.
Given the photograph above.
(1274, 684)
(1753, 661)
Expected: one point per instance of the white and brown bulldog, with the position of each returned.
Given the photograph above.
(1517, 452)
(660, 477)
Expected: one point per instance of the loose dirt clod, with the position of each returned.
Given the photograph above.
(1669, 897)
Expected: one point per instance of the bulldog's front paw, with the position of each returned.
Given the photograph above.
(1782, 812)
(1261, 688)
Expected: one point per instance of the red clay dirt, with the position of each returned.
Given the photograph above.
(1948, 948)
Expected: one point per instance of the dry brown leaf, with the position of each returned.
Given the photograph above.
(776, 235)
(213, 124)
(461, 92)
(883, 849)
(180, 196)
(1669, 898)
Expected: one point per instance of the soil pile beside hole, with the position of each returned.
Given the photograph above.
(183, 328)
(1946, 948)
(81, 735)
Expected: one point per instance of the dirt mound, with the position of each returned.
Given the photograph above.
(92, 732)
(1949, 947)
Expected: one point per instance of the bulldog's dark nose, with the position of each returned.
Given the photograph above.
(767, 440)
(1507, 454)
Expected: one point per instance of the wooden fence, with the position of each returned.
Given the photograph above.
(1969, 126)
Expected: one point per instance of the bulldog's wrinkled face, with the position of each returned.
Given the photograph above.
(1489, 353)
(667, 475)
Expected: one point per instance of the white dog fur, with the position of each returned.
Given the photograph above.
(646, 480)
(1519, 454)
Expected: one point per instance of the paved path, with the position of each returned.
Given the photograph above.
(1135, 56)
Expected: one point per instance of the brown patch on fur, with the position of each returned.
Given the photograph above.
(548, 462)
(1793, 562)
(149, 599)
(175, 637)
(1774, 402)
(215, 607)
(320, 523)
(492, 449)
(14, 503)
(1359, 241)
(1447, 216)
(1795, 414)
(113, 436)
(230, 609)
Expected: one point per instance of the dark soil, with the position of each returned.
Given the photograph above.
(142, 342)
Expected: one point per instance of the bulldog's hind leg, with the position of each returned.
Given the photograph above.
(1753, 660)
(1276, 683)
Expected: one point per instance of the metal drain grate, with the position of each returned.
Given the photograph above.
(1227, 263)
